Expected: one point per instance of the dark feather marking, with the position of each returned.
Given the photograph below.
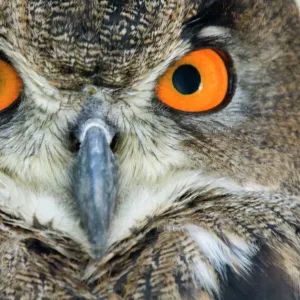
(39, 247)
(148, 287)
(119, 286)
(215, 13)
(266, 281)
(149, 239)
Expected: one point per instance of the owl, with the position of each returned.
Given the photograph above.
(149, 149)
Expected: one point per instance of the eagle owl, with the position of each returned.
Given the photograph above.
(149, 149)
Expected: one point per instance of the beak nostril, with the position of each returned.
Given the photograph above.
(114, 143)
(74, 142)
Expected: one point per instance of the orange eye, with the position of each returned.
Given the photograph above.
(10, 85)
(198, 82)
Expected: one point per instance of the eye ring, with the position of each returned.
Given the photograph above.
(11, 85)
(192, 92)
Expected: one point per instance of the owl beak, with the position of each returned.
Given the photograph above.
(95, 182)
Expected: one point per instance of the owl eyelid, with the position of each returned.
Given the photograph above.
(5, 58)
(11, 108)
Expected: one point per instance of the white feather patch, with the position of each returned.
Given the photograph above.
(48, 208)
(298, 4)
(237, 256)
(205, 277)
(152, 199)
(219, 254)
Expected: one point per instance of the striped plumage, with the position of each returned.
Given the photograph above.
(163, 260)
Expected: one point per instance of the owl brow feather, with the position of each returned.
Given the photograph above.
(210, 13)
(204, 10)
(151, 28)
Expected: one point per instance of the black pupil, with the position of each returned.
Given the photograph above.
(186, 79)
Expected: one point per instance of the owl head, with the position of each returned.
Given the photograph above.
(113, 111)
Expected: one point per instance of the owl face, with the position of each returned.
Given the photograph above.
(124, 59)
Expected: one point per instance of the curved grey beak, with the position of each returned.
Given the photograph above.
(95, 181)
